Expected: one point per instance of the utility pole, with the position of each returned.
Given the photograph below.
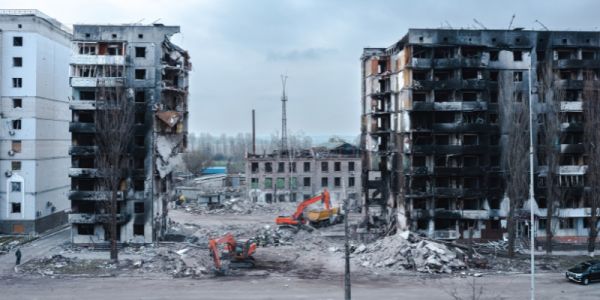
(283, 116)
(531, 178)
(347, 284)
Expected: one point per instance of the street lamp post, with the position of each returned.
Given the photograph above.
(531, 178)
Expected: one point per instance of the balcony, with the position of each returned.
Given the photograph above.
(572, 170)
(92, 196)
(576, 63)
(463, 127)
(79, 218)
(458, 171)
(475, 214)
(82, 150)
(82, 127)
(452, 149)
(454, 63)
(77, 82)
(576, 106)
(445, 234)
(97, 60)
(572, 148)
(451, 84)
(82, 105)
(83, 172)
(571, 127)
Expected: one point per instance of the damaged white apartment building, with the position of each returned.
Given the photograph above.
(296, 175)
(435, 133)
(34, 116)
(153, 72)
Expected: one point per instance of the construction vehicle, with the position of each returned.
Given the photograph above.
(315, 218)
(236, 254)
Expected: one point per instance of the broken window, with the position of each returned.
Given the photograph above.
(421, 52)
(443, 96)
(337, 166)
(16, 146)
(443, 203)
(470, 139)
(280, 167)
(87, 95)
(351, 181)
(268, 167)
(138, 185)
(442, 139)
(588, 54)
(439, 75)
(470, 182)
(471, 204)
(494, 140)
(306, 166)
(565, 54)
(306, 181)
(85, 229)
(15, 165)
(495, 160)
(517, 55)
(470, 161)
(15, 207)
(517, 76)
(324, 166)
(420, 75)
(419, 161)
(87, 49)
(114, 50)
(280, 183)
(494, 203)
(337, 181)
(350, 166)
(493, 117)
(254, 183)
(140, 52)
(268, 183)
(444, 117)
(470, 52)
(443, 52)
(469, 96)
(139, 140)
(254, 167)
(468, 74)
(269, 197)
(493, 75)
(140, 96)
(494, 97)
(16, 124)
(15, 186)
(419, 96)
(17, 41)
(494, 55)
(17, 82)
(17, 61)
(138, 207)
(140, 74)
(17, 103)
(420, 203)
(138, 229)
(324, 182)
(567, 223)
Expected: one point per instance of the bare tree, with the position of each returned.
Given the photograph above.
(196, 160)
(550, 94)
(114, 122)
(514, 115)
(591, 125)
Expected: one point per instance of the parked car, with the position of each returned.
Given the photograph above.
(585, 272)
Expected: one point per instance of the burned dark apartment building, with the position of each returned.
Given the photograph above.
(143, 64)
(435, 130)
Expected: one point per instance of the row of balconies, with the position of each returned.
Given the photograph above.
(81, 218)
(482, 62)
(452, 149)
(454, 214)
(447, 191)
(81, 127)
(456, 127)
(94, 173)
(78, 82)
(82, 59)
(451, 171)
(101, 195)
(453, 106)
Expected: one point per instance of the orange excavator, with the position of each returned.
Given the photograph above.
(316, 218)
(236, 254)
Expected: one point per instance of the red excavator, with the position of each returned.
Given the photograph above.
(236, 254)
(316, 218)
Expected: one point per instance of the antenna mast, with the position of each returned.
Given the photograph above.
(283, 116)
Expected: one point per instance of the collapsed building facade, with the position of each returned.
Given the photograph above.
(141, 61)
(434, 137)
(297, 175)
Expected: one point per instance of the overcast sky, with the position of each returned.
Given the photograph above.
(239, 48)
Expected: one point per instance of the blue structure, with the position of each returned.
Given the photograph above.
(214, 170)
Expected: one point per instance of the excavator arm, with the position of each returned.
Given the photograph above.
(213, 245)
(296, 218)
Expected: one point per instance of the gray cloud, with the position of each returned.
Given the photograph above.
(300, 54)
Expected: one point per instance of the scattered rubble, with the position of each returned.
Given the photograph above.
(407, 251)
(239, 206)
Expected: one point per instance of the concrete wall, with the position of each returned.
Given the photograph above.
(44, 118)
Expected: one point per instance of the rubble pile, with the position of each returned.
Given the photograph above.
(407, 251)
(8, 243)
(240, 206)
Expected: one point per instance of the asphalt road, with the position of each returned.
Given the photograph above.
(549, 286)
